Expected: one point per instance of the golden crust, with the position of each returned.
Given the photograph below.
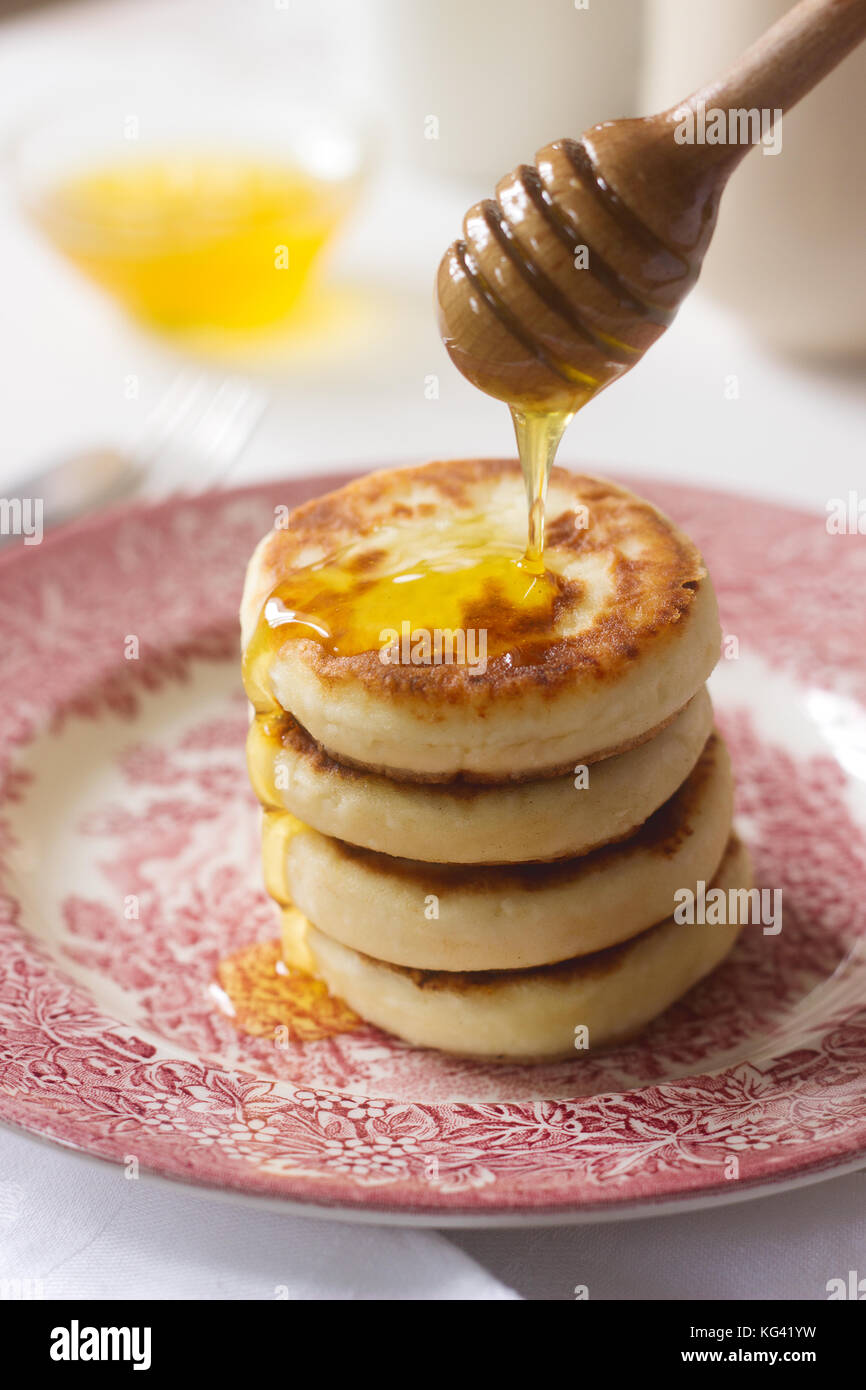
(292, 735)
(595, 965)
(651, 575)
(660, 835)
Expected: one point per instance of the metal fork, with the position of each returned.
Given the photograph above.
(194, 436)
(201, 424)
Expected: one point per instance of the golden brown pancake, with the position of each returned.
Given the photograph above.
(462, 823)
(462, 917)
(589, 658)
(526, 1015)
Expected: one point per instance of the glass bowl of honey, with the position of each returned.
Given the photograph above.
(207, 211)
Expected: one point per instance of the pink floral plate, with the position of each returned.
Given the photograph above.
(130, 872)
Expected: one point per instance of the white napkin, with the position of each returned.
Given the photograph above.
(85, 1231)
(788, 1246)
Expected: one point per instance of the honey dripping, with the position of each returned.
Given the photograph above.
(538, 436)
(468, 578)
(467, 581)
(269, 988)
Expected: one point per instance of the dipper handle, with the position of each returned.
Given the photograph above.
(561, 283)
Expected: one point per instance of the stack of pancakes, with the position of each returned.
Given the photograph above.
(488, 861)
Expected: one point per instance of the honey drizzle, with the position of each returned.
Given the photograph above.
(345, 608)
(538, 436)
(335, 604)
(479, 585)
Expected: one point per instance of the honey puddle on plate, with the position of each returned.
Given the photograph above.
(261, 994)
(265, 998)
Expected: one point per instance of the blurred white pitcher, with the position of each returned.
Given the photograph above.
(473, 87)
(788, 252)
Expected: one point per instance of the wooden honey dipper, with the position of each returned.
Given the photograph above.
(562, 282)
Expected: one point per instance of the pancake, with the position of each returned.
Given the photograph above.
(586, 660)
(525, 1015)
(458, 823)
(444, 917)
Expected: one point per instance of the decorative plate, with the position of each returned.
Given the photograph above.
(142, 1012)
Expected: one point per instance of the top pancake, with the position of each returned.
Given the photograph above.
(609, 646)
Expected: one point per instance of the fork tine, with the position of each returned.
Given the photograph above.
(217, 417)
(238, 426)
(203, 433)
(168, 414)
(166, 452)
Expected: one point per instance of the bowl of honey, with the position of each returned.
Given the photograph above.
(207, 211)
